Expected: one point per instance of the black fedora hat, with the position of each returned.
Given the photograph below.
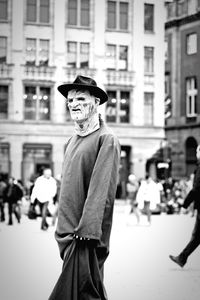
(85, 83)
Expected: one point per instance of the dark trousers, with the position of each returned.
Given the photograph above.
(147, 210)
(2, 214)
(194, 241)
(13, 208)
(43, 209)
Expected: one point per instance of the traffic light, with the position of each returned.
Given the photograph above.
(168, 107)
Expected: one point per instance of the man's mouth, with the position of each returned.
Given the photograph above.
(76, 109)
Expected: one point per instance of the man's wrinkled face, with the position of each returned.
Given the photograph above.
(81, 105)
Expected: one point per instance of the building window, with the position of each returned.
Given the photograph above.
(182, 7)
(123, 15)
(77, 55)
(192, 7)
(37, 11)
(123, 58)
(4, 160)
(116, 57)
(37, 52)
(148, 17)
(30, 51)
(36, 103)
(85, 13)
(117, 15)
(111, 57)
(79, 13)
(148, 59)
(118, 107)
(191, 97)
(84, 55)
(191, 43)
(3, 10)
(3, 102)
(43, 52)
(71, 54)
(148, 108)
(3, 49)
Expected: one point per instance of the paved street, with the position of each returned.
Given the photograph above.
(138, 267)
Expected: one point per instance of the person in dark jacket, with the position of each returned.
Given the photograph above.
(192, 197)
(2, 200)
(13, 193)
(87, 194)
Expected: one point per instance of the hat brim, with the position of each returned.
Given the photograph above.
(94, 90)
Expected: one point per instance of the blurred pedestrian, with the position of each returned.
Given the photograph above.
(2, 199)
(43, 192)
(88, 189)
(192, 196)
(148, 196)
(132, 188)
(13, 194)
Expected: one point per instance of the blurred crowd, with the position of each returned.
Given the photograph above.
(37, 198)
(162, 196)
(40, 197)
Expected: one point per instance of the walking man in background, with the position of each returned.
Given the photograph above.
(13, 193)
(44, 190)
(192, 196)
(88, 189)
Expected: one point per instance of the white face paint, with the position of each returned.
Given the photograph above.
(81, 105)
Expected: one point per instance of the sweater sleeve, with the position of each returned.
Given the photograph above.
(102, 188)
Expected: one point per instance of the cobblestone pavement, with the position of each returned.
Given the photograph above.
(138, 267)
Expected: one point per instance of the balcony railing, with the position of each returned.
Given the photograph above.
(115, 77)
(71, 73)
(39, 72)
(6, 70)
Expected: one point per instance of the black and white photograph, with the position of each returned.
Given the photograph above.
(99, 149)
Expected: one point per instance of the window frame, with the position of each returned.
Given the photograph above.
(189, 43)
(5, 4)
(117, 107)
(37, 50)
(4, 115)
(4, 48)
(149, 60)
(38, 94)
(118, 15)
(115, 59)
(38, 12)
(191, 96)
(149, 18)
(79, 10)
(78, 54)
(149, 114)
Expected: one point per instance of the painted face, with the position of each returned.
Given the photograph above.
(81, 105)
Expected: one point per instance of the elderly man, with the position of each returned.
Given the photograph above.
(192, 196)
(88, 188)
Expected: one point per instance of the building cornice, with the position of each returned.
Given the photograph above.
(182, 127)
(182, 21)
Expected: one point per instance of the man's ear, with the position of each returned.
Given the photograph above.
(97, 100)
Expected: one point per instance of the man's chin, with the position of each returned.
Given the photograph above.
(78, 119)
